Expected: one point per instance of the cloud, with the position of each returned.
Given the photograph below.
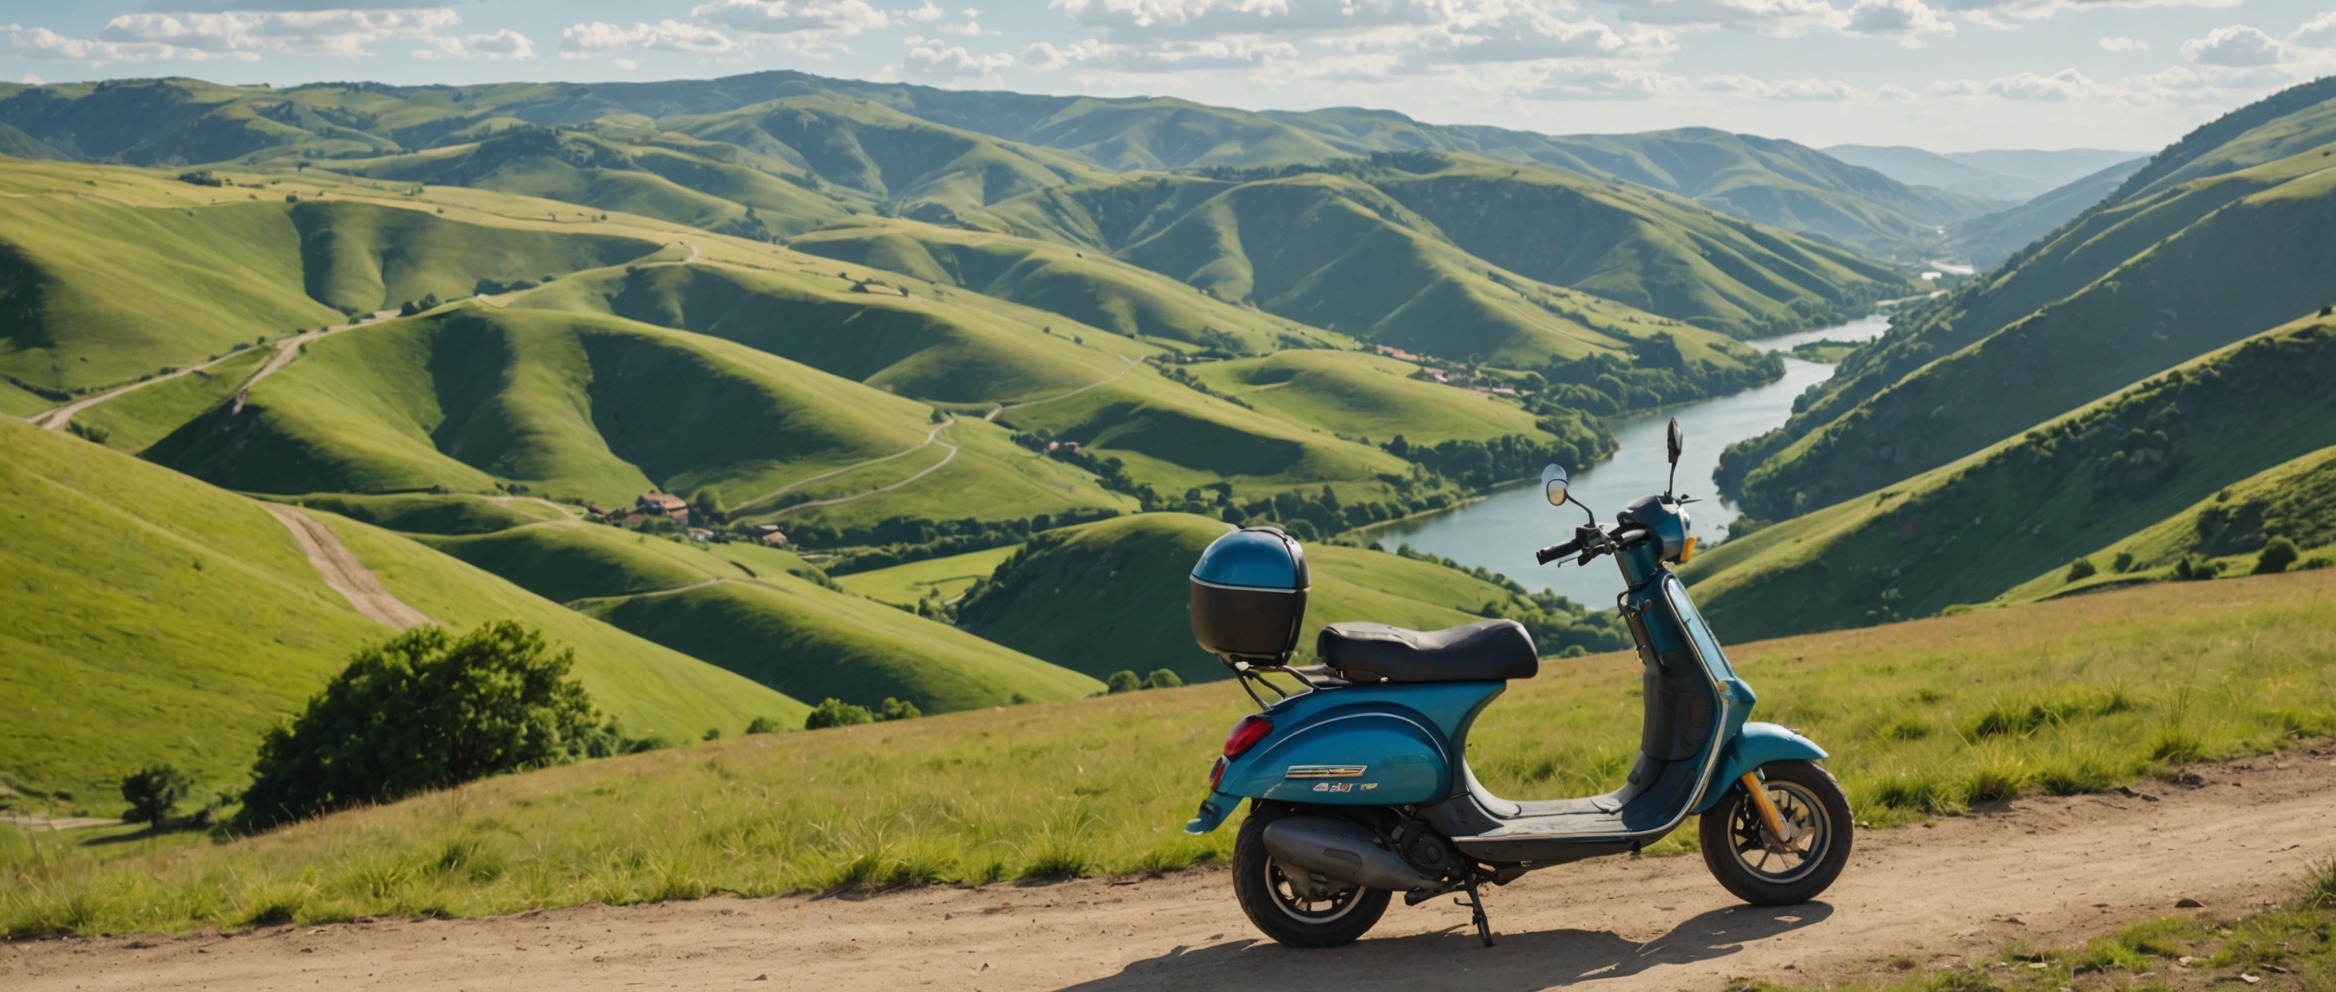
(1514, 33)
(1198, 19)
(33, 80)
(784, 17)
(1816, 90)
(1599, 81)
(2319, 32)
(1047, 56)
(1992, 13)
(224, 6)
(925, 14)
(2236, 46)
(2067, 84)
(1894, 93)
(1783, 18)
(503, 44)
(1906, 20)
(598, 38)
(242, 35)
(2125, 44)
(933, 58)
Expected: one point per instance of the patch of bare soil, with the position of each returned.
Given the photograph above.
(2048, 871)
(344, 571)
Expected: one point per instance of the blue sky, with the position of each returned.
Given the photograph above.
(1948, 75)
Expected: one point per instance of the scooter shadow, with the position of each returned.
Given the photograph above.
(1519, 962)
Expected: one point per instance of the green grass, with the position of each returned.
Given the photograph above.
(1972, 530)
(1358, 395)
(1103, 784)
(950, 577)
(424, 513)
(137, 419)
(133, 595)
(1113, 595)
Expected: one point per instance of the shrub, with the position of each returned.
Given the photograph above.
(762, 725)
(712, 734)
(2123, 563)
(1162, 679)
(2081, 568)
(2320, 884)
(898, 709)
(2277, 555)
(1123, 681)
(835, 712)
(423, 710)
(153, 793)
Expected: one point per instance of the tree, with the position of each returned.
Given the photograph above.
(153, 793)
(426, 710)
(835, 712)
(898, 709)
(2081, 568)
(762, 725)
(1162, 679)
(1123, 681)
(708, 506)
(2278, 554)
(712, 734)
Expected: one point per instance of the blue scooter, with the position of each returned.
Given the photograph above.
(1358, 781)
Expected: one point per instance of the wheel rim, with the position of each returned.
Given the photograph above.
(1802, 813)
(1293, 902)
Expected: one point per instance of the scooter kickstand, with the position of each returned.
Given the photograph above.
(1475, 906)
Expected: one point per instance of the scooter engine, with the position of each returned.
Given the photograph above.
(1423, 850)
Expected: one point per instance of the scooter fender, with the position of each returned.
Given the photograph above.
(1349, 756)
(1756, 745)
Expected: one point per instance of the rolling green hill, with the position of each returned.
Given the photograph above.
(155, 618)
(1114, 595)
(1969, 531)
(1987, 241)
(1355, 394)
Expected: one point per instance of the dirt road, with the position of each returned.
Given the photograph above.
(344, 571)
(2050, 872)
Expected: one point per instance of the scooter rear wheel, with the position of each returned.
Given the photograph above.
(1287, 909)
(1813, 806)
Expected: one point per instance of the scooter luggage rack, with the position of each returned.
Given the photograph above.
(1312, 677)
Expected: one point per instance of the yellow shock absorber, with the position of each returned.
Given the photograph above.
(1767, 807)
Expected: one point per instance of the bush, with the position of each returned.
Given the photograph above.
(1123, 681)
(2081, 568)
(425, 710)
(836, 713)
(712, 734)
(1162, 679)
(153, 793)
(762, 725)
(898, 709)
(2277, 556)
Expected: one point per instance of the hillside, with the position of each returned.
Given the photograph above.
(1987, 241)
(1100, 786)
(1968, 531)
(133, 595)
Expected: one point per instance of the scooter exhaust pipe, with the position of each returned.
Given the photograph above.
(1341, 851)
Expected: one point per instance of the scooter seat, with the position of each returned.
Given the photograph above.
(1484, 651)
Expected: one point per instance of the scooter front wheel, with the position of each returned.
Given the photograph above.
(1769, 871)
(1296, 911)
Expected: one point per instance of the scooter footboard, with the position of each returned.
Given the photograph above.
(1756, 745)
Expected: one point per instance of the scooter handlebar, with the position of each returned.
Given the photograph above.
(1555, 552)
(1590, 545)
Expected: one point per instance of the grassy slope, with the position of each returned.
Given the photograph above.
(2295, 500)
(1101, 785)
(2244, 263)
(950, 577)
(1987, 241)
(1968, 531)
(569, 404)
(1360, 395)
(134, 593)
(1113, 595)
(143, 416)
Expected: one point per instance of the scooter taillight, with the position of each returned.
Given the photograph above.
(1246, 734)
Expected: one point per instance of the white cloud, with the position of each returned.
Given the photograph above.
(1906, 20)
(2125, 44)
(1992, 12)
(2236, 46)
(1194, 19)
(243, 35)
(1783, 18)
(597, 38)
(1516, 33)
(1894, 93)
(500, 45)
(2067, 84)
(2319, 32)
(1587, 80)
(782, 17)
(931, 57)
(923, 15)
(1818, 90)
(33, 80)
(1045, 55)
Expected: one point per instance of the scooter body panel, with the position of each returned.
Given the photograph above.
(1365, 745)
(1756, 744)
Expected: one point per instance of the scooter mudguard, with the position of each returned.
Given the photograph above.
(1374, 745)
(1756, 745)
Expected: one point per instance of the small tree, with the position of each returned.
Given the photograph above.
(708, 506)
(762, 725)
(425, 710)
(712, 734)
(2081, 568)
(898, 709)
(2278, 554)
(1162, 679)
(834, 712)
(153, 793)
(1123, 681)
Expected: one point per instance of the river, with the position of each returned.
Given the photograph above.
(1500, 531)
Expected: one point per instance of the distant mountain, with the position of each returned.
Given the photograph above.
(1988, 240)
(2016, 175)
(2180, 293)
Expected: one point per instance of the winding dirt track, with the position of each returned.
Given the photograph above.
(2050, 872)
(344, 571)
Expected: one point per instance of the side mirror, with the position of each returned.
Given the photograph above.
(1678, 440)
(1553, 483)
